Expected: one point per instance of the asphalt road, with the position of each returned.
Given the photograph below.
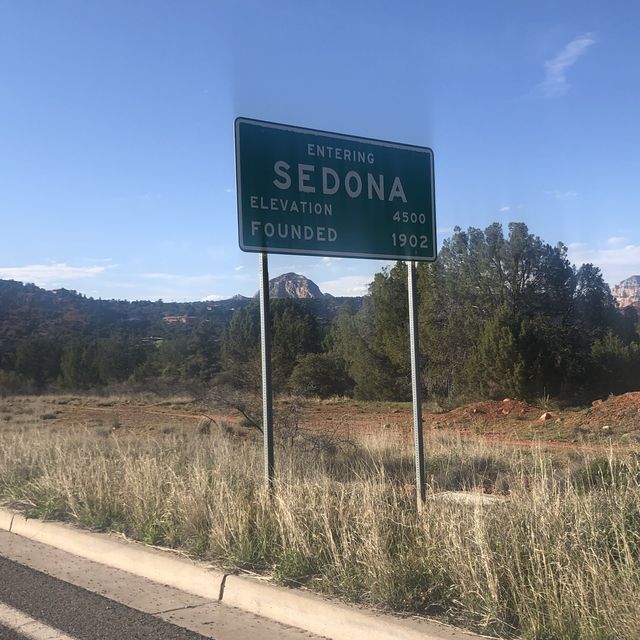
(9, 634)
(76, 611)
(85, 599)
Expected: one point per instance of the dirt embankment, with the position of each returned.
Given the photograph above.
(617, 418)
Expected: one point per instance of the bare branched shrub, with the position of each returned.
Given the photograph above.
(290, 434)
(246, 403)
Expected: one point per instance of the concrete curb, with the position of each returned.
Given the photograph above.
(163, 567)
(6, 519)
(334, 620)
(292, 607)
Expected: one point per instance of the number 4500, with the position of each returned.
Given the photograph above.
(409, 216)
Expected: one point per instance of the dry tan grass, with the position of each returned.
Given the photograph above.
(558, 557)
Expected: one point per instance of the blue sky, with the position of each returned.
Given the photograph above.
(117, 171)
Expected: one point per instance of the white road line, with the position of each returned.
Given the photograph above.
(26, 626)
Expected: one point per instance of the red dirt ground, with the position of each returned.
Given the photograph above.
(615, 420)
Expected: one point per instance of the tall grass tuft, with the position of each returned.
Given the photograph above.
(556, 555)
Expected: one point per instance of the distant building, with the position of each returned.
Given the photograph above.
(178, 319)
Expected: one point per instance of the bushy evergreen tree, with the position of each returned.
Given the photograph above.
(38, 359)
(78, 365)
(498, 316)
(294, 332)
(495, 368)
(374, 342)
(320, 374)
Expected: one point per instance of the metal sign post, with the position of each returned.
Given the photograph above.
(267, 392)
(415, 386)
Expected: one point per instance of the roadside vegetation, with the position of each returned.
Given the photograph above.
(540, 545)
(501, 314)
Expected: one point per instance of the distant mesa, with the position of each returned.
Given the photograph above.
(627, 292)
(293, 285)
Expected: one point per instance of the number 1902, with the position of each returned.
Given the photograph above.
(404, 239)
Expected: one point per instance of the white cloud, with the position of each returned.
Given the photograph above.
(48, 275)
(615, 262)
(504, 209)
(213, 298)
(616, 241)
(329, 261)
(555, 78)
(240, 267)
(347, 286)
(563, 195)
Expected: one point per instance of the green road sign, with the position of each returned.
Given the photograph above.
(317, 193)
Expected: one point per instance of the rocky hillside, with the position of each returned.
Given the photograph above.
(627, 292)
(293, 285)
(27, 311)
